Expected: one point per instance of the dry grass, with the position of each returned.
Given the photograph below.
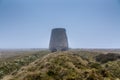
(13, 64)
(62, 66)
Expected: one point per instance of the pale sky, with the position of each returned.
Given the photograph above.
(89, 23)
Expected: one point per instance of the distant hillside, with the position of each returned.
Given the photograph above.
(6, 53)
(102, 50)
(67, 66)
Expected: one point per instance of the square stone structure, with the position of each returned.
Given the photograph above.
(58, 40)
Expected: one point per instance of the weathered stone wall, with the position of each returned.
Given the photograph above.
(0, 55)
(58, 41)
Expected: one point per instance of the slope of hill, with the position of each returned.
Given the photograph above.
(13, 63)
(65, 66)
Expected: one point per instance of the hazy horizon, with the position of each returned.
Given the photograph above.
(89, 23)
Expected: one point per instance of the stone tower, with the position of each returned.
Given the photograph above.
(58, 41)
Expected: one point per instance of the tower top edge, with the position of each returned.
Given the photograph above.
(54, 29)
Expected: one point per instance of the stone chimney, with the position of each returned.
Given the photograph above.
(58, 40)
